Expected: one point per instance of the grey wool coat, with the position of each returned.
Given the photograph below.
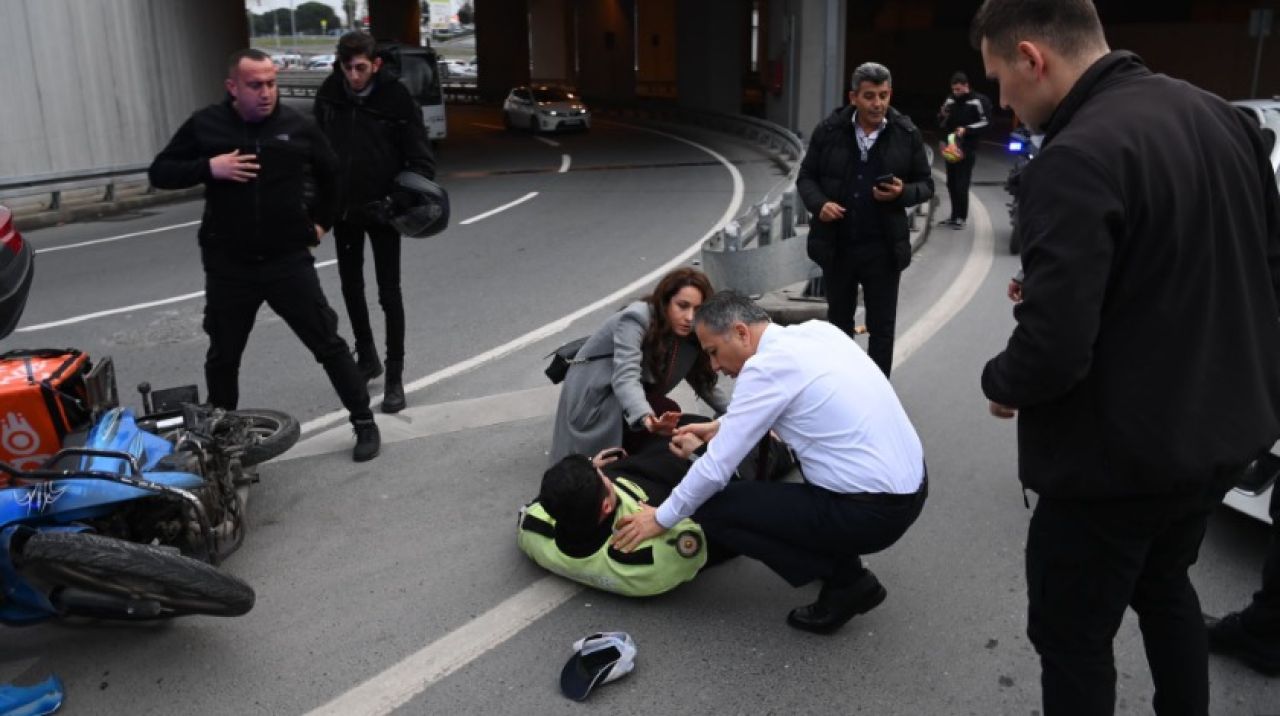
(599, 397)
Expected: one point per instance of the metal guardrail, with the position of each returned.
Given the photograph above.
(54, 183)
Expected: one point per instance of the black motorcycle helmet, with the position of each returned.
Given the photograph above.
(417, 207)
(17, 266)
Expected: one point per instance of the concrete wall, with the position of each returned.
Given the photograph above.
(551, 40)
(711, 54)
(105, 83)
(656, 49)
(606, 49)
(502, 46)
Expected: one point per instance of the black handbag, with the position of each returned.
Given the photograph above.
(563, 357)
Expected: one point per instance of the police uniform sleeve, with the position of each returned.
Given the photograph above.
(180, 164)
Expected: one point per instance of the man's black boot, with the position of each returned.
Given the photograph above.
(1230, 635)
(368, 440)
(367, 361)
(393, 394)
(838, 604)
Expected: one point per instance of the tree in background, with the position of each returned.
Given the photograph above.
(466, 14)
(309, 15)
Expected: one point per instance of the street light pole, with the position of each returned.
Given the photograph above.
(293, 21)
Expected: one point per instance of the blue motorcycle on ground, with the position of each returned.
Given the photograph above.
(131, 523)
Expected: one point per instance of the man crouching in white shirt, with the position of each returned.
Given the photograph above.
(862, 461)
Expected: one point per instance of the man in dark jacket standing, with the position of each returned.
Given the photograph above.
(377, 131)
(260, 222)
(967, 114)
(865, 165)
(1150, 209)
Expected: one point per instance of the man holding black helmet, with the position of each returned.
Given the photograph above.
(377, 131)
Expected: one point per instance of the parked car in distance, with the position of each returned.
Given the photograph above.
(321, 63)
(16, 269)
(460, 69)
(544, 108)
(1252, 495)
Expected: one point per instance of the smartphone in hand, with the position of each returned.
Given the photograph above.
(884, 180)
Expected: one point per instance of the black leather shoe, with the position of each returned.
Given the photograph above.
(1228, 635)
(393, 393)
(367, 361)
(837, 605)
(368, 440)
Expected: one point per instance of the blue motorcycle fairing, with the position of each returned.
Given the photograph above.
(36, 700)
(118, 430)
(21, 604)
(74, 498)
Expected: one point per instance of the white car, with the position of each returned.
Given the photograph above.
(321, 63)
(544, 108)
(1253, 495)
(460, 69)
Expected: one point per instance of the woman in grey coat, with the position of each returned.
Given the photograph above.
(647, 349)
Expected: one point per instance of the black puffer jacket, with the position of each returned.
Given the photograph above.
(826, 175)
(272, 215)
(1147, 350)
(375, 137)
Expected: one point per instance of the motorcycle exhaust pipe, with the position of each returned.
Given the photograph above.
(82, 602)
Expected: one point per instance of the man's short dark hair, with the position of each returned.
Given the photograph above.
(719, 312)
(571, 493)
(873, 72)
(1068, 26)
(233, 61)
(356, 43)
(959, 78)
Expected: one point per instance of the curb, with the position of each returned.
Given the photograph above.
(788, 305)
(45, 219)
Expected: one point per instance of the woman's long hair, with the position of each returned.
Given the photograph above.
(660, 338)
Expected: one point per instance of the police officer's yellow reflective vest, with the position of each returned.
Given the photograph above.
(657, 565)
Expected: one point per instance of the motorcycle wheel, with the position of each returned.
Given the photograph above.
(274, 433)
(119, 570)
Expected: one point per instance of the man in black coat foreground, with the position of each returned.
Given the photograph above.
(270, 192)
(865, 165)
(1145, 364)
(376, 130)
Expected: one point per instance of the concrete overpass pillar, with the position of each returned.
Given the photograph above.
(815, 77)
(606, 49)
(551, 42)
(656, 49)
(397, 20)
(710, 51)
(502, 46)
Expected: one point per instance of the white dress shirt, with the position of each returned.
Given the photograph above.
(828, 401)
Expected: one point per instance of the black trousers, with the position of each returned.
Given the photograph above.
(385, 241)
(873, 268)
(959, 176)
(804, 532)
(1089, 560)
(1262, 616)
(290, 286)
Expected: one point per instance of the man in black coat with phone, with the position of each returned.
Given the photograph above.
(865, 165)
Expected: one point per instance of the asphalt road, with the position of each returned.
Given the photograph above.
(396, 585)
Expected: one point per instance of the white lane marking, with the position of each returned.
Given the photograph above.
(394, 687)
(110, 312)
(127, 309)
(564, 322)
(400, 682)
(51, 249)
(486, 126)
(504, 207)
(564, 163)
(548, 142)
(961, 290)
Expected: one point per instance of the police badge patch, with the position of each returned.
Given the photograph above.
(688, 544)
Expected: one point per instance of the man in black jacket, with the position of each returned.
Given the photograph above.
(377, 131)
(254, 158)
(865, 165)
(1145, 364)
(967, 114)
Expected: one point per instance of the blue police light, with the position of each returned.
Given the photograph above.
(1015, 145)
